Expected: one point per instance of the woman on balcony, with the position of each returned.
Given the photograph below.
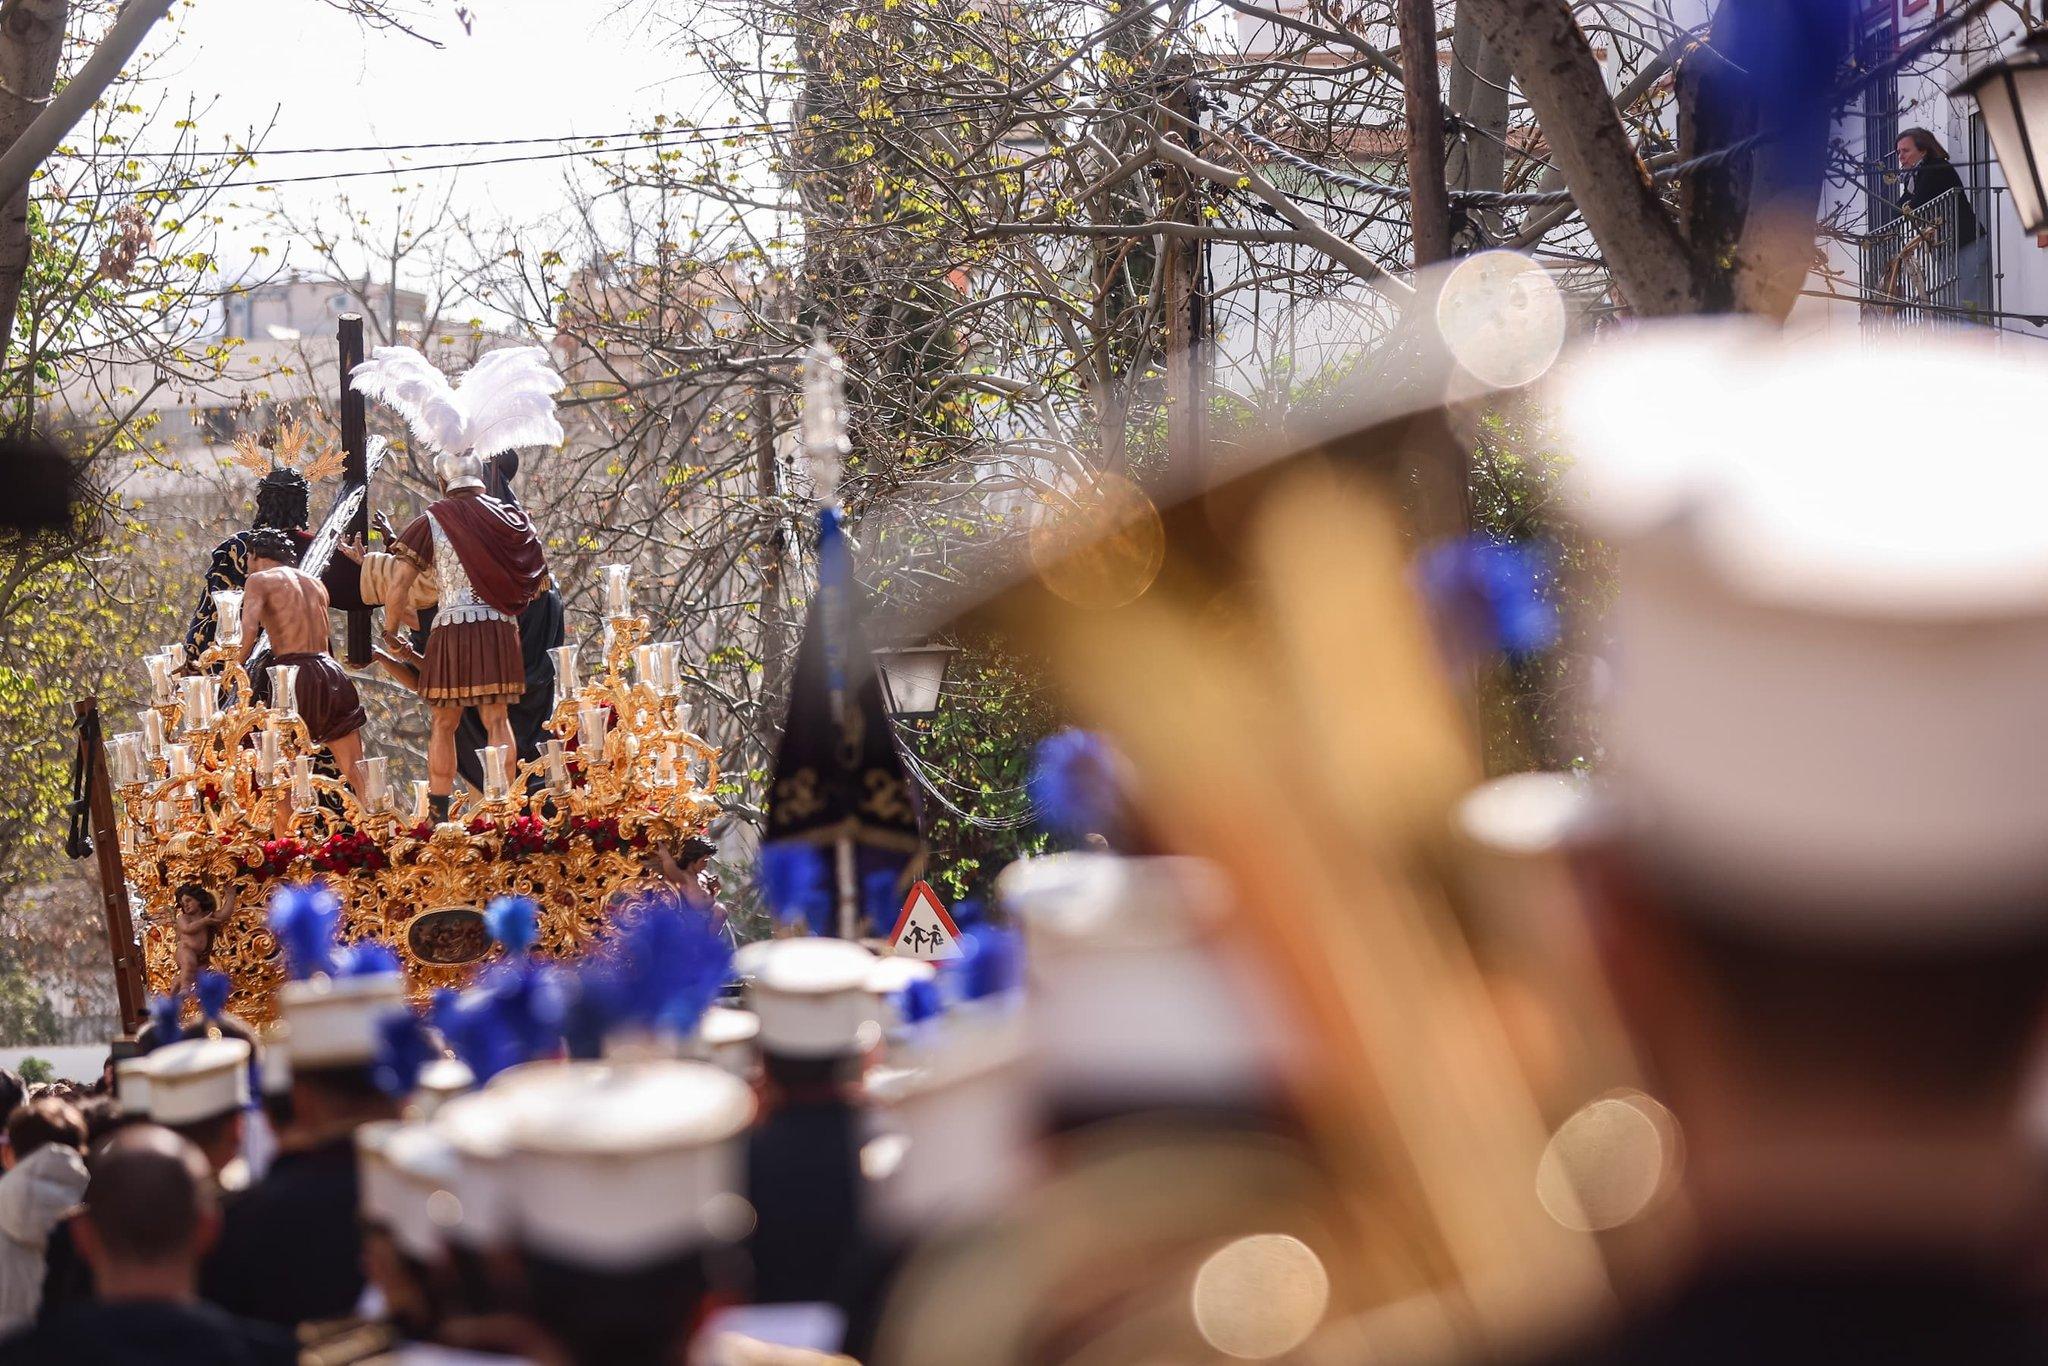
(1925, 175)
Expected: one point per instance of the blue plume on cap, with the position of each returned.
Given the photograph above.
(403, 1048)
(513, 1014)
(593, 1007)
(994, 963)
(163, 1019)
(672, 961)
(1496, 589)
(370, 958)
(303, 919)
(1076, 784)
(213, 989)
(878, 898)
(794, 884)
(920, 1001)
(513, 921)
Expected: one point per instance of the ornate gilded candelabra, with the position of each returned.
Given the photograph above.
(226, 790)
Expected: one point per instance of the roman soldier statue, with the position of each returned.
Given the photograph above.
(482, 552)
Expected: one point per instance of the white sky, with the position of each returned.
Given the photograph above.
(530, 68)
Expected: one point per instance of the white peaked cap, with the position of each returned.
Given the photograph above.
(892, 975)
(813, 998)
(440, 1081)
(730, 1038)
(424, 1170)
(198, 1079)
(615, 1165)
(131, 1085)
(333, 1020)
(1831, 633)
(962, 1120)
(478, 1127)
(1130, 996)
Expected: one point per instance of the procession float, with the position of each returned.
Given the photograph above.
(223, 791)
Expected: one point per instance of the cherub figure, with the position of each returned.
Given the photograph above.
(198, 921)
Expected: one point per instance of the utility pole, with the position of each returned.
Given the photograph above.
(1186, 291)
(1429, 201)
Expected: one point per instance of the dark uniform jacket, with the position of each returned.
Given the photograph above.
(1876, 1313)
(289, 1250)
(148, 1334)
(803, 1179)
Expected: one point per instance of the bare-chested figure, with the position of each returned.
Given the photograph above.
(292, 607)
(199, 921)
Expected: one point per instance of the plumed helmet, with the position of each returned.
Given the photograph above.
(462, 471)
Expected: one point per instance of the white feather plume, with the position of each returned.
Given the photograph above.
(505, 400)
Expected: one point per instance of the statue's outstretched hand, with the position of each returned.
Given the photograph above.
(383, 525)
(352, 548)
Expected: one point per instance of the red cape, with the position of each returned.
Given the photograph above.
(498, 549)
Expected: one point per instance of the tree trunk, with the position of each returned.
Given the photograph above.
(1553, 62)
(1478, 158)
(1429, 206)
(31, 43)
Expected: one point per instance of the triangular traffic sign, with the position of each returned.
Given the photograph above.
(925, 930)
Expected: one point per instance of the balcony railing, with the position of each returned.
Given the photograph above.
(1918, 271)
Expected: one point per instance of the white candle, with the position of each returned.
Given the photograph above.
(269, 754)
(590, 724)
(376, 789)
(566, 681)
(284, 689)
(618, 590)
(302, 783)
(152, 732)
(227, 617)
(421, 805)
(180, 757)
(665, 766)
(645, 670)
(669, 667)
(554, 757)
(160, 667)
(492, 757)
(166, 815)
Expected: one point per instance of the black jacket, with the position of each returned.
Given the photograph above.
(1796, 1312)
(148, 1334)
(290, 1251)
(803, 1179)
(1931, 179)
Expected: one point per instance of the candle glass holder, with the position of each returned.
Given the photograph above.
(618, 590)
(496, 785)
(227, 617)
(302, 783)
(567, 682)
(269, 754)
(124, 758)
(554, 758)
(376, 784)
(590, 728)
(284, 690)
